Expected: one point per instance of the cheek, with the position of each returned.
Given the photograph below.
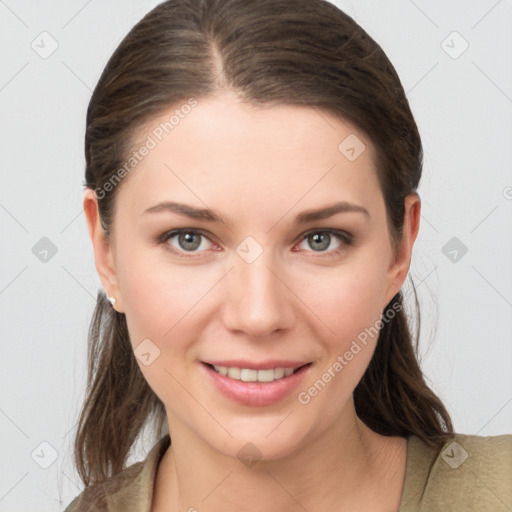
(352, 310)
(162, 304)
(163, 298)
(346, 300)
(156, 297)
(349, 303)
(172, 304)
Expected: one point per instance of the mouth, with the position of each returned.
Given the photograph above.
(262, 384)
(256, 375)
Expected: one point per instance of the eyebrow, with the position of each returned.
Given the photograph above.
(304, 217)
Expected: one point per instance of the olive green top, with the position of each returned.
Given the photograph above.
(469, 473)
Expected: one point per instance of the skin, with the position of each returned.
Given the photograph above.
(258, 167)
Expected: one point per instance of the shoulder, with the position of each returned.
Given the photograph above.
(469, 471)
(131, 489)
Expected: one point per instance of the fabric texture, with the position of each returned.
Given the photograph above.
(469, 474)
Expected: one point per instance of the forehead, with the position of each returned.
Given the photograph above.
(271, 156)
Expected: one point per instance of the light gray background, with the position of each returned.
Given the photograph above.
(463, 107)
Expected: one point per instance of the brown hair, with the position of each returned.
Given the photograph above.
(295, 52)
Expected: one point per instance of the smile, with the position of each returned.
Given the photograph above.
(256, 384)
(251, 375)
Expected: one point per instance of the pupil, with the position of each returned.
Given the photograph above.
(319, 238)
(187, 241)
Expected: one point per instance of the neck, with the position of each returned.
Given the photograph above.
(348, 468)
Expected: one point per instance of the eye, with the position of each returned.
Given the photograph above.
(185, 240)
(193, 241)
(321, 240)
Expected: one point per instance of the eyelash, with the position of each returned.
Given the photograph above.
(346, 238)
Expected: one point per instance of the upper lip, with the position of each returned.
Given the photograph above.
(262, 365)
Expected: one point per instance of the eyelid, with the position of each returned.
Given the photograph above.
(340, 233)
(173, 232)
(345, 237)
(166, 236)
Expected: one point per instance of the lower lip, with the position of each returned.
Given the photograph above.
(256, 393)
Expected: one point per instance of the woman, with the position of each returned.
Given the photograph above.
(251, 196)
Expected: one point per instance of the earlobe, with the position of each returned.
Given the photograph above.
(102, 248)
(401, 263)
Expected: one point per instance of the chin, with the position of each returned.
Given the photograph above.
(273, 438)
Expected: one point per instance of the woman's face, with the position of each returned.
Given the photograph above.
(269, 286)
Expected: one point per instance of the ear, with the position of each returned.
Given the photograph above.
(399, 268)
(103, 256)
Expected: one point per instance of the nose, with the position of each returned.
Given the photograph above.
(259, 299)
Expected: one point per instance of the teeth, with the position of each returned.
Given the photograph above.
(249, 375)
(265, 375)
(234, 373)
(279, 373)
